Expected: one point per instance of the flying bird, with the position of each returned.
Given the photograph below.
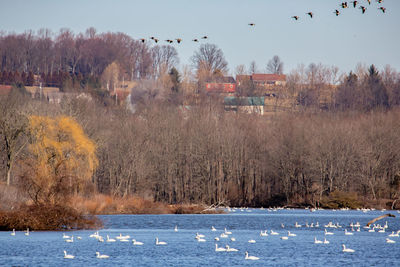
(178, 40)
(354, 3)
(310, 14)
(195, 40)
(252, 24)
(155, 40)
(379, 1)
(369, 2)
(143, 40)
(337, 12)
(363, 9)
(169, 41)
(383, 9)
(204, 37)
(344, 5)
(295, 17)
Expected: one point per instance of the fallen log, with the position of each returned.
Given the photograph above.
(379, 218)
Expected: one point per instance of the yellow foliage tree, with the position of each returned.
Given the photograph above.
(61, 159)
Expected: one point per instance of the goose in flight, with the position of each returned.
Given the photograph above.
(252, 24)
(337, 12)
(363, 9)
(295, 17)
(310, 14)
(178, 40)
(383, 9)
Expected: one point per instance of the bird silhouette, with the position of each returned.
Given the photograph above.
(169, 41)
(363, 9)
(337, 12)
(178, 40)
(152, 37)
(344, 5)
(155, 40)
(204, 37)
(143, 40)
(379, 1)
(383, 9)
(195, 40)
(295, 17)
(310, 14)
(252, 24)
(369, 2)
(354, 3)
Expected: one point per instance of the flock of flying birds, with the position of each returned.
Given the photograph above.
(343, 5)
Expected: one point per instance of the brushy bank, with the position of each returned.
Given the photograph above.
(46, 217)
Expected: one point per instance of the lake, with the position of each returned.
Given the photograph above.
(182, 249)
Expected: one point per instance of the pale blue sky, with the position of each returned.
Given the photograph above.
(344, 41)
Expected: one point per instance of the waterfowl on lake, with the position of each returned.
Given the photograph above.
(347, 249)
(99, 256)
(219, 248)
(13, 232)
(110, 239)
(67, 256)
(158, 243)
(137, 243)
(247, 257)
(229, 249)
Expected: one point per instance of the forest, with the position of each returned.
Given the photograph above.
(178, 145)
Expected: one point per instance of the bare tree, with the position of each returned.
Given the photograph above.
(253, 67)
(208, 60)
(275, 65)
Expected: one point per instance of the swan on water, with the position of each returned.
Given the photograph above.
(110, 239)
(229, 249)
(71, 240)
(347, 249)
(66, 236)
(219, 249)
(213, 229)
(264, 233)
(223, 235)
(233, 239)
(326, 241)
(160, 242)
(123, 236)
(284, 238)
(27, 232)
(328, 233)
(347, 233)
(13, 232)
(252, 241)
(216, 238)
(291, 234)
(227, 232)
(137, 243)
(99, 256)
(316, 241)
(67, 256)
(388, 240)
(274, 233)
(176, 228)
(247, 257)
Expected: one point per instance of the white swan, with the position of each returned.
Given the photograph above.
(347, 249)
(394, 234)
(110, 239)
(176, 228)
(99, 256)
(284, 238)
(264, 233)
(216, 238)
(297, 225)
(123, 236)
(227, 232)
(95, 235)
(13, 232)
(223, 235)
(229, 249)
(326, 241)
(347, 233)
(201, 240)
(219, 249)
(67, 256)
(233, 239)
(252, 241)
(124, 240)
(390, 241)
(160, 242)
(213, 229)
(328, 233)
(247, 257)
(291, 234)
(274, 233)
(71, 240)
(27, 232)
(137, 243)
(66, 236)
(316, 241)
(199, 236)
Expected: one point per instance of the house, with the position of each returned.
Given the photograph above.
(263, 80)
(221, 85)
(245, 104)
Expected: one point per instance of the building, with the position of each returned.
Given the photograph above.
(262, 79)
(245, 104)
(221, 85)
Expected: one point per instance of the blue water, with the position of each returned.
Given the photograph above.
(182, 249)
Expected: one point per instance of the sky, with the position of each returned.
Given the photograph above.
(343, 41)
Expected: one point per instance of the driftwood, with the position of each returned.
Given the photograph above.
(379, 218)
